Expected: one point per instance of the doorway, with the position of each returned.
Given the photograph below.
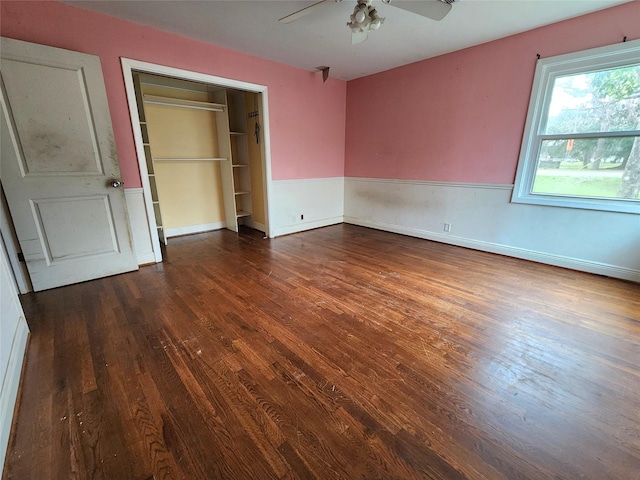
(237, 157)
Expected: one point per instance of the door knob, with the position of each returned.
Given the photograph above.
(115, 183)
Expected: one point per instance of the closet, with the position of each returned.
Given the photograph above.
(203, 154)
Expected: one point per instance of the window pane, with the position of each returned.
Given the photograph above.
(603, 101)
(591, 167)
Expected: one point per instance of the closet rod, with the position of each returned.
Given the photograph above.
(201, 159)
(178, 102)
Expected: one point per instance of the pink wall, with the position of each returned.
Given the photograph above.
(460, 117)
(306, 116)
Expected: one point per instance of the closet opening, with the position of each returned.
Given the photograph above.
(202, 145)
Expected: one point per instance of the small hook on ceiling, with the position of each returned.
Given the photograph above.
(325, 72)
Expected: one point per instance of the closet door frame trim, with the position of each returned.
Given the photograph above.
(128, 68)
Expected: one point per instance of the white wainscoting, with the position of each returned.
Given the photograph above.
(298, 205)
(11, 384)
(139, 226)
(483, 218)
(14, 333)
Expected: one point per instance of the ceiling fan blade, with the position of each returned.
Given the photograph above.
(433, 9)
(305, 11)
(358, 37)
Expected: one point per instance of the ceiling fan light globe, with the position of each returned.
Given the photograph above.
(360, 16)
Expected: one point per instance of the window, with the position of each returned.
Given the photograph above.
(581, 145)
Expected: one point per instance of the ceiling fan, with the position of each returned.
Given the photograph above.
(365, 17)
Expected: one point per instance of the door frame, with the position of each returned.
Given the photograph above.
(9, 239)
(128, 68)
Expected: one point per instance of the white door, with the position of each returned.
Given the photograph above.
(59, 166)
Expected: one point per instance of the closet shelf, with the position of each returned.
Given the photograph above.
(178, 102)
(239, 165)
(201, 159)
(237, 134)
(242, 213)
(242, 193)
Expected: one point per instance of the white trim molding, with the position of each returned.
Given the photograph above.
(556, 260)
(191, 229)
(481, 217)
(547, 71)
(307, 225)
(14, 333)
(9, 240)
(490, 186)
(11, 384)
(142, 236)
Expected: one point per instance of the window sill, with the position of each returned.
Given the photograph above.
(585, 203)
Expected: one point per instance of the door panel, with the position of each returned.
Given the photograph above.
(58, 160)
(53, 120)
(73, 212)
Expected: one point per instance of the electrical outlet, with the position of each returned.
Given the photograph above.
(447, 227)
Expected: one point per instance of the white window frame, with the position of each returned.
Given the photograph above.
(547, 70)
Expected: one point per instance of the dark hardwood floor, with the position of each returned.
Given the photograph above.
(339, 353)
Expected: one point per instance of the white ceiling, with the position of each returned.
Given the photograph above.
(323, 38)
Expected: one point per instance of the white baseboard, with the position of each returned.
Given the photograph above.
(482, 217)
(540, 257)
(190, 229)
(258, 226)
(249, 222)
(11, 384)
(302, 226)
(145, 258)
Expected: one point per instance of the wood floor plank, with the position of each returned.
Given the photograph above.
(341, 352)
